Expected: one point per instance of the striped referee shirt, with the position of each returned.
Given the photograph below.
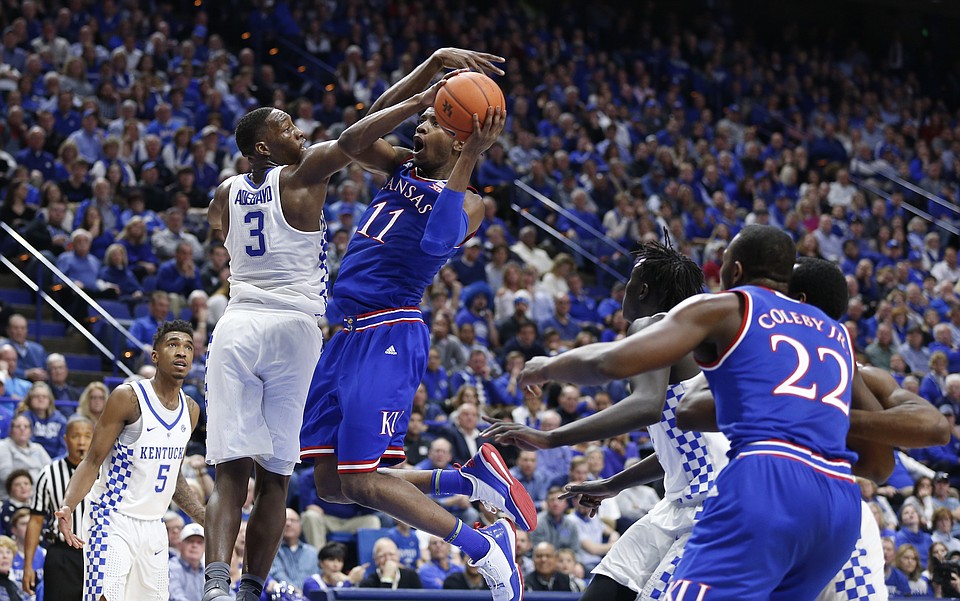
(48, 497)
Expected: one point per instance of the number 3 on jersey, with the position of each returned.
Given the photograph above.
(788, 386)
(377, 208)
(256, 232)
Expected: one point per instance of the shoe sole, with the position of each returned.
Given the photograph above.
(525, 512)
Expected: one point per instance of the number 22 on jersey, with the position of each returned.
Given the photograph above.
(789, 387)
(377, 209)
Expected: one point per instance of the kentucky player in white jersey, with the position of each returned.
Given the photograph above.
(268, 342)
(133, 469)
(643, 559)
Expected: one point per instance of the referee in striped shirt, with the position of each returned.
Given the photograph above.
(63, 568)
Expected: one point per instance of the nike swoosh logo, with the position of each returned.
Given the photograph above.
(159, 552)
(151, 429)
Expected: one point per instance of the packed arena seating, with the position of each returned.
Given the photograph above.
(636, 121)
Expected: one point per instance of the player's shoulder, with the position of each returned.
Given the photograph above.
(644, 322)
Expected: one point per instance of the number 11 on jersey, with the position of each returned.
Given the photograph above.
(377, 208)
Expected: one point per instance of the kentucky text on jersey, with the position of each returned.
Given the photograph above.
(261, 196)
(775, 317)
(174, 453)
(409, 191)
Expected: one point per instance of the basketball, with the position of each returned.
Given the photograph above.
(462, 96)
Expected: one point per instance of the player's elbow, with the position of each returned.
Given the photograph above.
(351, 142)
(939, 431)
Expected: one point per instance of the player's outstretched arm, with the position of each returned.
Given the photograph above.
(363, 141)
(643, 407)
(907, 420)
(442, 58)
(695, 321)
(593, 492)
(875, 459)
(184, 496)
(458, 211)
(121, 409)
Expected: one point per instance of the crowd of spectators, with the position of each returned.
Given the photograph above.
(118, 126)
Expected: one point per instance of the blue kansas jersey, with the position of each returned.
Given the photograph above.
(384, 266)
(786, 377)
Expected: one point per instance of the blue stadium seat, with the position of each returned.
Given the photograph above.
(365, 539)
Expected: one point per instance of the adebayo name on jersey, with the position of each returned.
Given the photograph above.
(259, 197)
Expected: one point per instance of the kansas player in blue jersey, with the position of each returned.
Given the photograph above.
(787, 512)
(907, 421)
(360, 398)
(272, 222)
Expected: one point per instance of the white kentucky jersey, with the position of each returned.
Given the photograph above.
(139, 477)
(690, 460)
(271, 263)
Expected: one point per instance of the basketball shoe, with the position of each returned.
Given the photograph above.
(499, 566)
(495, 486)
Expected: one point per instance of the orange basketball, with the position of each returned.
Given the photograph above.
(462, 96)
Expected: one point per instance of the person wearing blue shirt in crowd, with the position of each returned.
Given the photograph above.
(12, 386)
(117, 273)
(49, 425)
(911, 533)
(896, 581)
(583, 308)
(470, 266)
(534, 480)
(476, 311)
(145, 327)
(495, 171)
(508, 390)
(78, 264)
(435, 379)
(180, 275)
(561, 321)
(433, 572)
(408, 543)
(31, 356)
(186, 571)
(34, 157)
(553, 462)
(477, 374)
(295, 559)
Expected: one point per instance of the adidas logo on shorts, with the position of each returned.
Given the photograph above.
(390, 351)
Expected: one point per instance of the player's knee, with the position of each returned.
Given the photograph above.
(360, 488)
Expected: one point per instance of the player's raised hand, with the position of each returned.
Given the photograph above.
(429, 96)
(532, 374)
(483, 138)
(460, 58)
(591, 493)
(65, 522)
(518, 435)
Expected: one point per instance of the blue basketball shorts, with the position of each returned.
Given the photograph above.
(359, 401)
(781, 523)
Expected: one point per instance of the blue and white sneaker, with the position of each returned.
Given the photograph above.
(495, 486)
(499, 566)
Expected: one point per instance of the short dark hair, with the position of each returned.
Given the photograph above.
(174, 325)
(673, 276)
(14, 475)
(823, 284)
(764, 252)
(332, 550)
(250, 129)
